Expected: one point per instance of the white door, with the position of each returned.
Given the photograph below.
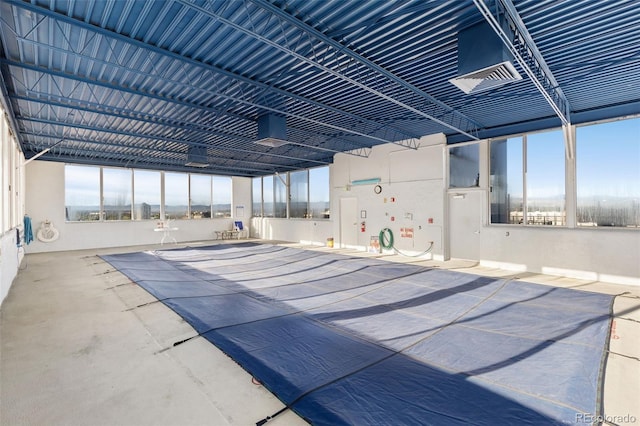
(348, 222)
(465, 224)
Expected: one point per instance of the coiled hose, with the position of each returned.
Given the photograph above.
(388, 244)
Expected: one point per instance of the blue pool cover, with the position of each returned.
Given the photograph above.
(363, 341)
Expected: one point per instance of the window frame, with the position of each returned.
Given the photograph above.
(525, 184)
(576, 176)
(162, 188)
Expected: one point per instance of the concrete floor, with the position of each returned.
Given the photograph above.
(77, 350)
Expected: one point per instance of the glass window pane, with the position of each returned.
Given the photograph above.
(176, 195)
(319, 200)
(221, 196)
(608, 174)
(146, 194)
(256, 191)
(116, 194)
(545, 179)
(506, 181)
(464, 166)
(82, 193)
(280, 196)
(267, 189)
(298, 188)
(200, 196)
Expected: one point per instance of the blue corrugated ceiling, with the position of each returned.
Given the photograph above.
(136, 83)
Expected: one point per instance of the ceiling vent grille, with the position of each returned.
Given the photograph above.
(484, 62)
(487, 78)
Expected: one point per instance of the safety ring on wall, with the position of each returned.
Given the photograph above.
(377, 189)
(47, 233)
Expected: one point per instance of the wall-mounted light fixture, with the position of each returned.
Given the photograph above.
(371, 181)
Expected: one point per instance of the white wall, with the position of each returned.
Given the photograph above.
(45, 201)
(12, 189)
(609, 255)
(590, 254)
(10, 258)
(417, 180)
(414, 190)
(307, 231)
(412, 184)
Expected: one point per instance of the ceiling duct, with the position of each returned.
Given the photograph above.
(197, 156)
(484, 62)
(272, 130)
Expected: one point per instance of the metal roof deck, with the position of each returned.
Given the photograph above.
(136, 83)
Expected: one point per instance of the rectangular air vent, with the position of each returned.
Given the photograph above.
(484, 62)
(487, 78)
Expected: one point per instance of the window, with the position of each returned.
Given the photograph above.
(608, 174)
(299, 194)
(200, 196)
(319, 200)
(543, 201)
(303, 193)
(185, 196)
(506, 181)
(256, 196)
(176, 193)
(280, 196)
(116, 194)
(222, 187)
(545, 178)
(146, 194)
(5, 144)
(267, 196)
(464, 166)
(82, 193)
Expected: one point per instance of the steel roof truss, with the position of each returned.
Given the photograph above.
(338, 71)
(347, 62)
(206, 67)
(156, 138)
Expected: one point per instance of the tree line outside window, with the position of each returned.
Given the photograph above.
(302, 194)
(109, 194)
